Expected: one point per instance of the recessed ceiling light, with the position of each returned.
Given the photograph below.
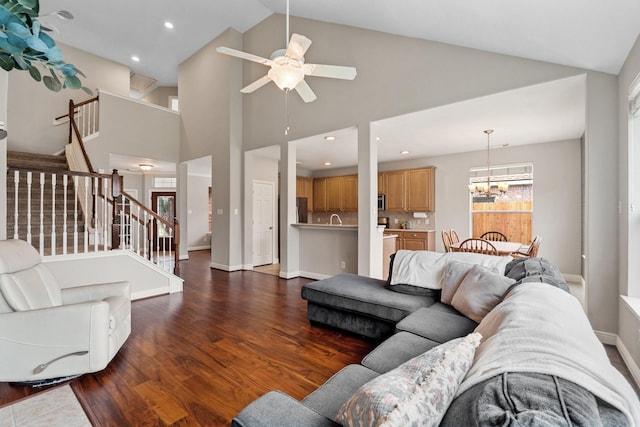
(327, 163)
(404, 152)
(330, 138)
(378, 138)
(168, 25)
(135, 58)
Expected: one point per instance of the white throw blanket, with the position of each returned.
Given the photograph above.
(539, 328)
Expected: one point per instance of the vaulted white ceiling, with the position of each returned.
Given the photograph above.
(590, 34)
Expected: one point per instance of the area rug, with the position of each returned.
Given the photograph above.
(52, 408)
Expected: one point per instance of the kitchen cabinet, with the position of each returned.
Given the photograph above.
(342, 193)
(381, 184)
(395, 185)
(414, 240)
(304, 188)
(410, 190)
(320, 194)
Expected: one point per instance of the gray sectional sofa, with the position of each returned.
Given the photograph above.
(412, 322)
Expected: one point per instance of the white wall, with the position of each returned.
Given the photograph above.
(211, 109)
(629, 244)
(432, 74)
(198, 212)
(134, 128)
(33, 107)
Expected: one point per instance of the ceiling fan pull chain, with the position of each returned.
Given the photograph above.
(286, 112)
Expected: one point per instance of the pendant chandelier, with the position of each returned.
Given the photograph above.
(483, 189)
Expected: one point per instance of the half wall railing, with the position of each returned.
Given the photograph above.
(80, 211)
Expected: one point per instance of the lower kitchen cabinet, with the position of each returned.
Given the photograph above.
(414, 240)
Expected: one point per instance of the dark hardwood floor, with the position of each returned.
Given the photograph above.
(197, 358)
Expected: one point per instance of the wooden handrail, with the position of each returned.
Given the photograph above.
(80, 104)
(73, 127)
(147, 210)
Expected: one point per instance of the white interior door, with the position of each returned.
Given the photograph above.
(263, 216)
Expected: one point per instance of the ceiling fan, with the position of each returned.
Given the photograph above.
(288, 68)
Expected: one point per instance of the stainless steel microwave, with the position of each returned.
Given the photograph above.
(382, 202)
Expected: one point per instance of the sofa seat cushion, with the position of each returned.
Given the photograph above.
(396, 350)
(363, 295)
(276, 409)
(329, 397)
(418, 392)
(436, 325)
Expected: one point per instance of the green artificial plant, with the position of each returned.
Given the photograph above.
(25, 45)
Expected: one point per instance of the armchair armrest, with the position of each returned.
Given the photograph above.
(30, 338)
(276, 409)
(96, 292)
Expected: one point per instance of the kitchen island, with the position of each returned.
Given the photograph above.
(326, 250)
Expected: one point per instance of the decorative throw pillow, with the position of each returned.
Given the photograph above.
(418, 392)
(452, 275)
(480, 291)
(417, 268)
(490, 261)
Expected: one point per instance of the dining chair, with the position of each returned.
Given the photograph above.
(446, 239)
(496, 236)
(532, 252)
(480, 246)
(454, 236)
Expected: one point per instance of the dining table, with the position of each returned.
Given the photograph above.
(503, 248)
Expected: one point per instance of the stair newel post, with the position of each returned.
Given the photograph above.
(176, 245)
(71, 118)
(116, 194)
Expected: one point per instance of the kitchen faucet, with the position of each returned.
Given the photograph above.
(331, 219)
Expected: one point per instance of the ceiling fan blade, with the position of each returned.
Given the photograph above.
(331, 71)
(256, 85)
(305, 92)
(297, 46)
(244, 55)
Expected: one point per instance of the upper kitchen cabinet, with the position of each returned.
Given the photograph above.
(395, 184)
(304, 188)
(410, 190)
(421, 190)
(320, 194)
(342, 193)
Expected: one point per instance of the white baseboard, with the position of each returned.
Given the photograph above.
(225, 267)
(147, 293)
(199, 248)
(628, 360)
(312, 275)
(607, 337)
(288, 274)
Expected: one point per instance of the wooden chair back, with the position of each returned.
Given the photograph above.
(535, 245)
(454, 236)
(446, 239)
(480, 246)
(496, 236)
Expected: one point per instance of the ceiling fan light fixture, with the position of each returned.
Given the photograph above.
(286, 76)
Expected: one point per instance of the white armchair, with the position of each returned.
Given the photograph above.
(48, 332)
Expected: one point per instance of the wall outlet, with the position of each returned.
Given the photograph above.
(395, 220)
(343, 265)
(426, 221)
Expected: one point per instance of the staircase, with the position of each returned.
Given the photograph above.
(38, 220)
